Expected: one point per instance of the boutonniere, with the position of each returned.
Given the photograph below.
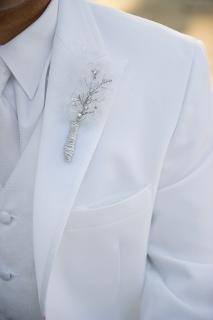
(84, 104)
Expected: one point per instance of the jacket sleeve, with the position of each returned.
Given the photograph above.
(179, 271)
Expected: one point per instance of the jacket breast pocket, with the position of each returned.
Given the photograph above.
(103, 252)
(106, 214)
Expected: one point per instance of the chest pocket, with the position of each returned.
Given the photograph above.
(114, 212)
(103, 253)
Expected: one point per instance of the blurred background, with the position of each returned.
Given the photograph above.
(194, 17)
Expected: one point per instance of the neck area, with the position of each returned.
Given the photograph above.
(14, 21)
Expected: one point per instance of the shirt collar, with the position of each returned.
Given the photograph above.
(27, 53)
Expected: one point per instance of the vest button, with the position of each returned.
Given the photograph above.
(5, 218)
(6, 276)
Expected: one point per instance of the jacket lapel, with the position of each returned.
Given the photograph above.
(77, 47)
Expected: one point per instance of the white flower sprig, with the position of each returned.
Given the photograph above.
(85, 103)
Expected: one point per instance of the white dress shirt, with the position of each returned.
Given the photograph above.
(27, 57)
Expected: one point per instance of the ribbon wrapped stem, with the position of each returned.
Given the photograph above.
(69, 147)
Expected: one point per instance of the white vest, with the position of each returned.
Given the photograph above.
(18, 291)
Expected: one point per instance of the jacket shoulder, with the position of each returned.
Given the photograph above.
(131, 32)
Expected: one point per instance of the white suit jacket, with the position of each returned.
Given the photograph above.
(125, 231)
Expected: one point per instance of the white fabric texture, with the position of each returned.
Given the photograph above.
(24, 66)
(27, 57)
(4, 75)
(180, 254)
(126, 230)
(18, 287)
(9, 139)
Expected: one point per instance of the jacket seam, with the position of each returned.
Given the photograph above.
(180, 112)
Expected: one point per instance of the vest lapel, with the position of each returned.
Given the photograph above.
(77, 47)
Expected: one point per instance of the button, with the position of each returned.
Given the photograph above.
(6, 276)
(5, 218)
